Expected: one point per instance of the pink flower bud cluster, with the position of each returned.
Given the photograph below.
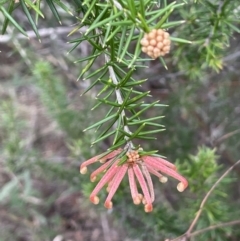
(156, 43)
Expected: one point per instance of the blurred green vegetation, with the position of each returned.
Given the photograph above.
(25, 159)
(42, 143)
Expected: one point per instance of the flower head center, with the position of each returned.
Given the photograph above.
(133, 157)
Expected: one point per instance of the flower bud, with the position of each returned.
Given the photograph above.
(156, 43)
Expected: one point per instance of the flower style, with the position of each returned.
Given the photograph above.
(138, 167)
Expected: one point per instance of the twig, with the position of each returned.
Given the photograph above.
(105, 227)
(188, 233)
(232, 56)
(220, 225)
(42, 32)
(118, 95)
(226, 136)
(206, 197)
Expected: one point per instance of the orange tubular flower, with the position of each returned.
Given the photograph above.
(138, 168)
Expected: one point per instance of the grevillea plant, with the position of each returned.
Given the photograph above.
(119, 31)
(123, 35)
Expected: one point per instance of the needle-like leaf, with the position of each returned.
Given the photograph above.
(54, 10)
(9, 17)
(26, 11)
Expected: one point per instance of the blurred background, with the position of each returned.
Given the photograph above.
(42, 143)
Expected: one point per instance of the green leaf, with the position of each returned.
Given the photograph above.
(75, 29)
(129, 39)
(109, 112)
(103, 68)
(38, 4)
(143, 24)
(99, 103)
(163, 63)
(79, 40)
(123, 160)
(120, 137)
(88, 65)
(109, 127)
(115, 104)
(25, 10)
(88, 58)
(104, 154)
(124, 102)
(90, 87)
(146, 137)
(133, 83)
(108, 83)
(6, 20)
(233, 27)
(105, 88)
(79, 6)
(147, 153)
(54, 10)
(132, 8)
(89, 11)
(119, 122)
(122, 40)
(118, 29)
(135, 134)
(172, 24)
(36, 9)
(180, 40)
(141, 111)
(103, 137)
(135, 99)
(157, 13)
(94, 44)
(124, 132)
(103, 22)
(136, 122)
(143, 133)
(120, 155)
(150, 124)
(126, 78)
(9, 17)
(63, 6)
(163, 19)
(142, 8)
(106, 34)
(118, 144)
(137, 52)
(100, 122)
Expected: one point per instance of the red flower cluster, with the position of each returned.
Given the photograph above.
(138, 169)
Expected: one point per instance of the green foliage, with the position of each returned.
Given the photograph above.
(112, 27)
(200, 169)
(125, 114)
(11, 141)
(209, 25)
(53, 94)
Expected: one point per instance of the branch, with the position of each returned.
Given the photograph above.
(220, 225)
(188, 233)
(42, 32)
(118, 95)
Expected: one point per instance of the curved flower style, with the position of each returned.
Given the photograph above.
(138, 169)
